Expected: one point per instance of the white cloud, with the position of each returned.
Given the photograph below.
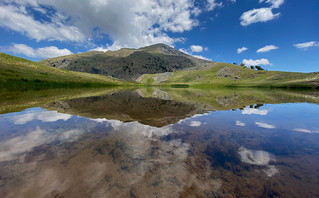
(202, 57)
(211, 5)
(13, 148)
(259, 158)
(184, 51)
(267, 48)
(44, 116)
(44, 52)
(305, 130)
(239, 123)
(262, 61)
(261, 14)
(17, 19)
(198, 48)
(306, 45)
(302, 130)
(197, 56)
(274, 3)
(265, 125)
(240, 50)
(249, 111)
(195, 123)
(254, 157)
(127, 23)
(257, 15)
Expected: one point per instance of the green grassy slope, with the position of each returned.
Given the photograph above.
(229, 75)
(15, 70)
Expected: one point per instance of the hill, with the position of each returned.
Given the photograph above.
(15, 70)
(229, 75)
(128, 64)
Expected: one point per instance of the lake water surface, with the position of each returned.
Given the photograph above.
(159, 143)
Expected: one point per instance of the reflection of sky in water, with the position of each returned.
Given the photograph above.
(252, 141)
(38, 125)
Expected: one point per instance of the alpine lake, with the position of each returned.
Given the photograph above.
(159, 142)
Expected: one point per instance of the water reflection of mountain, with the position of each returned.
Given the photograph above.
(129, 106)
(155, 107)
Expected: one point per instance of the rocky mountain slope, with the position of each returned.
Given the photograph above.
(129, 64)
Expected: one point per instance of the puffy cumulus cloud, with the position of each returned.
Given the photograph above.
(257, 15)
(306, 45)
(44, 52)
(242, 49)
(198, 48)
(267, 48)
(127, 23)
(19, 20)
(261, 14)
(262, 61)
(249, 111)
(265, 125)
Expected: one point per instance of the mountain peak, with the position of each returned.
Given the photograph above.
(163, 48)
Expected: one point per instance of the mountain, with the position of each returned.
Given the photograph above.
(17, 71)
(230, 75)
(129, 64)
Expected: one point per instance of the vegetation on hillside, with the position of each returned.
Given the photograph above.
(19, 71)
(230, 75)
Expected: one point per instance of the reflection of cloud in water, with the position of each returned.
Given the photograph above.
(305, 130)
(42, 115)
(195, 123)
(239, 123)
(12, 148)
(249, 111)
(265, 125)
(100, 120)
(138, 128)
(258, 157)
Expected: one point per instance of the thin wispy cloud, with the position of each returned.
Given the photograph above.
(307, 45)
(265, 125)
(267, 48)
(242, 49)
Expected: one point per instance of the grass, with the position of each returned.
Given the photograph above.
(15, 71)
(13, 100)
(221, 98)
(228, 75)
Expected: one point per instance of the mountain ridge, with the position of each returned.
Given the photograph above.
(128, 63)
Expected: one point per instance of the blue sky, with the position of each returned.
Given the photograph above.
(276, 34)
